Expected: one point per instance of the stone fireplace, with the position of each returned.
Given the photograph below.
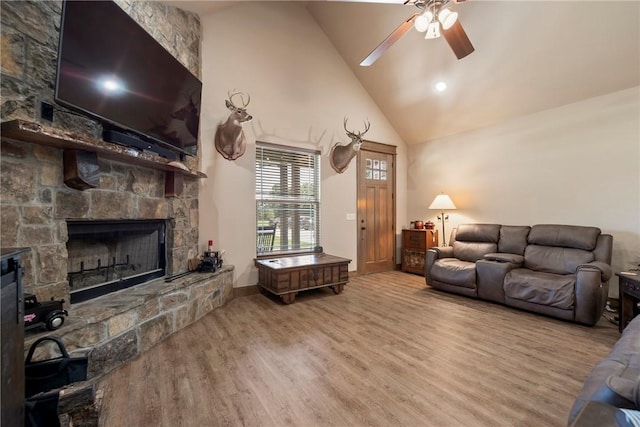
(38, 211)
(35, 202)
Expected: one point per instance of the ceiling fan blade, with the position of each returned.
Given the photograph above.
(391, 39)
(458, 40)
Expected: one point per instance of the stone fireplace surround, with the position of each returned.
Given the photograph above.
(35, 203)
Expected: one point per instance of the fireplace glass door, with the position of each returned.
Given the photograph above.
(106, 256)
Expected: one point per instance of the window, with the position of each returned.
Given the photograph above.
(287, 199)
(376, 169)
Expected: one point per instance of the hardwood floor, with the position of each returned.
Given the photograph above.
(388, 351)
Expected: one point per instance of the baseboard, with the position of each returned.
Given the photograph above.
(355, 273)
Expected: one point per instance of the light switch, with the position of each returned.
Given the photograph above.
(351, 217)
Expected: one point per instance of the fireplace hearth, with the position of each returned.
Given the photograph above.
(107, 256)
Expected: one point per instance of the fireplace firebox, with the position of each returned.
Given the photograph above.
(107, 256)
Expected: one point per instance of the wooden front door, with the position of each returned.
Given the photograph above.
(376, 208)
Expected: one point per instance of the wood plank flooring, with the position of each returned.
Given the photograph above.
(388, 351)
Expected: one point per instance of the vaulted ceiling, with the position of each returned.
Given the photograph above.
(529, 56)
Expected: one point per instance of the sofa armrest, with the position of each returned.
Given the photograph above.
(592, 289)
(434, 254)
(505, 257)
(602, 267)
(442, 251)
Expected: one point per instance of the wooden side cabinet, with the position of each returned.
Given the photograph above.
(629, 294)
(414, 249)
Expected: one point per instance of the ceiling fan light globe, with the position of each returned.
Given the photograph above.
(447, 18)
(422, 22)
(433, 32)
(428, 14)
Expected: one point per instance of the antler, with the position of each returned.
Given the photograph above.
(367, 125)
(244, 104)
(345, 126)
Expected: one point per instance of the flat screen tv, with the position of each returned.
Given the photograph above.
(112, 69)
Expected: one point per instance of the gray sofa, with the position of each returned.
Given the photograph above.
(557, 270)
(612, 384)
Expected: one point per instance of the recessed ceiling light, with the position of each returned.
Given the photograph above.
(441, 86)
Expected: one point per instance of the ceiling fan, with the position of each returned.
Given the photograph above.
(434, 18)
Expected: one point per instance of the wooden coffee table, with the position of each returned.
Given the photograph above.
(286, 276)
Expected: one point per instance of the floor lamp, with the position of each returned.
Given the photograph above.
(442, 202)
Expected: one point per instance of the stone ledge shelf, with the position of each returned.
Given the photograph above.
(115, 328)
(22, 130)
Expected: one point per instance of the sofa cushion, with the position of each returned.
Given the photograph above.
(452, 271)
(472, 251)
(571, 236)
(489, 233)
(513, 239)
(555, 260)
(540, 288)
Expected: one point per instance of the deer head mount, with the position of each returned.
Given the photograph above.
(229, 139)
(341, 155)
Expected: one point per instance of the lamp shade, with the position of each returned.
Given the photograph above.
(441, 202)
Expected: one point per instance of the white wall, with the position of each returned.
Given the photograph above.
(300, 91)
(578, 164)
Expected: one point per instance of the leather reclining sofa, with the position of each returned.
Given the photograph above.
(612, 386)
(557, 270)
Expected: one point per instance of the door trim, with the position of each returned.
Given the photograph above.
(378, 147)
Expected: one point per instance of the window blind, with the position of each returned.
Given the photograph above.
(287, 199)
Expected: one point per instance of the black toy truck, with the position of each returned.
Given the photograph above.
(50, 313)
